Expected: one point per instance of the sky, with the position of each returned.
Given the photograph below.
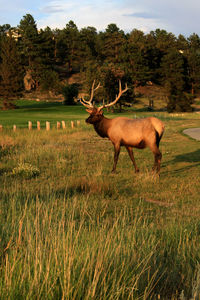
(176, 16)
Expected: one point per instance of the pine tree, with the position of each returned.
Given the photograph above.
(135, 62)
(11, 72)
(174, 79)
(173, 70)
(68, 46)
(42, 66)
(29, 44)
(193, 59)
(110, 44)
(29, 38)
(88, 41)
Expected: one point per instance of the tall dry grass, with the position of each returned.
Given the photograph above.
(65, 248)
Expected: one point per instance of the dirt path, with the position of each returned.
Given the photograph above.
(193, 133)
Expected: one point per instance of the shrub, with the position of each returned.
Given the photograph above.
(26, 170)
(70, 91)
(180, 103)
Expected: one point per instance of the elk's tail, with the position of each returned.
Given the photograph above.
(158, 138)
(159, 128)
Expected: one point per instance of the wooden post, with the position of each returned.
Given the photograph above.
(47, 126)
(14, 127)
(58, 125)
(1, 127)
(38, 125)
(78, 123)
(29, 125)
(72, 124)
(63, 125)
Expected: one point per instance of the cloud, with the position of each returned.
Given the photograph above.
(60, 6)
(51, 9)
(98, 14)
(142, 15)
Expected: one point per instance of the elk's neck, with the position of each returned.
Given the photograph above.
(102, 126)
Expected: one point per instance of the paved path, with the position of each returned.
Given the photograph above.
(193, 133)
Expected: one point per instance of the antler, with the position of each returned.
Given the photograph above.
(86, 103)
(117, 97)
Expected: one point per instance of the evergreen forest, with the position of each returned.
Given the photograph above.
(66, 61)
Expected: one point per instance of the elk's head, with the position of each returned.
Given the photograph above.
(95, 116)
(96, 113)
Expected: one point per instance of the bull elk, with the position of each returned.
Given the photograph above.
(122, 131)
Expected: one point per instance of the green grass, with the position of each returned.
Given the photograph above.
(39, 111)
(42, 111)
(69, 229)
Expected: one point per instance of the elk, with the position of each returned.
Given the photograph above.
(122, 131)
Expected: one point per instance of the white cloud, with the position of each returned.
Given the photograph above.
(97, 14)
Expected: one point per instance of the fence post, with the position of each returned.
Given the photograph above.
(78, 123)
(47, 126)
(38, 125)
(72, 124)
(14, 127)
(1, 127)
(29, 125)
(63, 125)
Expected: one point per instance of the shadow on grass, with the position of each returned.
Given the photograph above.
(183, 169)
(39, 105)
(192, 157)
(50, 107)
(82, 187)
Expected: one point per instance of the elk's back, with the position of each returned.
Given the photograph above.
(137, 133)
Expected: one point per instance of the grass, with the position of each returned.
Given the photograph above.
(69, 229)
(39, 111)
(52, 112)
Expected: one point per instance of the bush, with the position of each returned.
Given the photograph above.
(180, 103)
(25, 170)
(70, 91)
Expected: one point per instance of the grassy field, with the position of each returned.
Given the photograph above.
(69, 229)
(39, 111)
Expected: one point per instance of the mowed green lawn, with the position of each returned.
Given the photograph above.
(69, 229)
(39, 111)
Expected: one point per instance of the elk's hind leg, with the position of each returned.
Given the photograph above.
(130, 152)
(157, 160)
(153, 144)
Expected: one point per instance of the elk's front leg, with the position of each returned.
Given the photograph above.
(130, 152)
(116, 156)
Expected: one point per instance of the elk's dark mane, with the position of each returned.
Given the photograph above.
(102, 127)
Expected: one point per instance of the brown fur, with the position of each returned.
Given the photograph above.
(137, 133)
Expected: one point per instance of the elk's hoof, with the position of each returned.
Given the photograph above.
(137, 171)
(114, 172)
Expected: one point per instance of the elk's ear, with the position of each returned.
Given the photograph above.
(89, 110)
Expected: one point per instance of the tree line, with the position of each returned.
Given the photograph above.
(43, 60)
